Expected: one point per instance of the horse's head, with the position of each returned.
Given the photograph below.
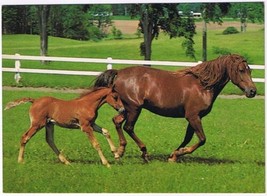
(114, 100)
(240, 74)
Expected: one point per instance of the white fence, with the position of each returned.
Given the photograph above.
(109, 61)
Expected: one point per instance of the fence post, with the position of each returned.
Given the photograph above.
(17, 76)
(109, 66)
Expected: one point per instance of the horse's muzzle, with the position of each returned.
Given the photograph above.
(251, 92)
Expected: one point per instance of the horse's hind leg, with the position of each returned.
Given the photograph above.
(107, 135)
(195, 124)
(89, 131)
(50, 140)
(24, 139)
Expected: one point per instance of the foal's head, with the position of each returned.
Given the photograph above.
(240, 74)
(114, 100)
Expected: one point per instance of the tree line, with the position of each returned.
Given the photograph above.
(90, 22)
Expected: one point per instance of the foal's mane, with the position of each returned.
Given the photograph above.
(90, 90)
(214, 72)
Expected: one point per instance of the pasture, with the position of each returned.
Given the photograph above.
(249, 44)
(231, 161)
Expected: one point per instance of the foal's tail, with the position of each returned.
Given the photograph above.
(18, 102)
(106, 79)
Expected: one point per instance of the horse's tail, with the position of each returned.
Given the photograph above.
(106, 79)
(18, 102)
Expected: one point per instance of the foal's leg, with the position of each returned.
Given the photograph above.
(107, 135)
(25, 138)
(118, 120)
(50, 140)
(195, 124)
(89, 131)
(129, 128)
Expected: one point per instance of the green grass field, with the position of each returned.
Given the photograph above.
(231, 161)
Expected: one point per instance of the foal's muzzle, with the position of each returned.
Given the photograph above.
(251, 92)
(121, 110)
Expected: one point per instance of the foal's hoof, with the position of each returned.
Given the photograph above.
(117, 156)
(63, 159)
(107, 165)
(21, 161)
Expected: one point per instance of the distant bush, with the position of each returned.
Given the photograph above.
(117, 34)
(221, 51)
(230, 30)
(95, 33)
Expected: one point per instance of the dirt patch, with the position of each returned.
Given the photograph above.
(130, 26)
(126, 26)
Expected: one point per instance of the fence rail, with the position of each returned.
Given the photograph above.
(109, 61)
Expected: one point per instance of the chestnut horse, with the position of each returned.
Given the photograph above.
(188, 93)
(79, 113)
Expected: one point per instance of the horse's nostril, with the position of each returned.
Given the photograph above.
(252, 92)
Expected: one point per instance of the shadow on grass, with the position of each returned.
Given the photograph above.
(164, 158)
(203, 160)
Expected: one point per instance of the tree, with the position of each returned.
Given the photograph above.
(100, 15)
(211, 12)
(19, 20)
(247, 11)
(69, 21)
(43, 12)
(154, 17)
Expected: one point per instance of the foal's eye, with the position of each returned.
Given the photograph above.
(241, 70)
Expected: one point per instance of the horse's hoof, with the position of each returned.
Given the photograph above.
(145, 158)
(172, 158)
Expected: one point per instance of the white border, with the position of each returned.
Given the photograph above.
(53, 2)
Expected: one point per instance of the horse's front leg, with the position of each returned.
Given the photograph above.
(118, 120)
(194, 126)
(188, 136)
(89, 131)
(129, 128)
(105, 132)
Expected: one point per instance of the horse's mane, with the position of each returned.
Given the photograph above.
(211, 73)
(90, 90)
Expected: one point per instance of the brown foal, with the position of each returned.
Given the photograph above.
(79, 113)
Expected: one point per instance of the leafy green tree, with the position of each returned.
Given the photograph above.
(101, 16)
(69, 21)
(75, 23)
(247, 12)
(19, 19)
(211, 12)
(165, 17)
